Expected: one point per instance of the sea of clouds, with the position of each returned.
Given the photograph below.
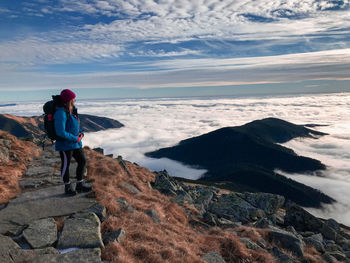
(155, 123)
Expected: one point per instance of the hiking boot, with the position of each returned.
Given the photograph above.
(83, 187)
(68, 189)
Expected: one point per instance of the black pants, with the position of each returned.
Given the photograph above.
(66, 157)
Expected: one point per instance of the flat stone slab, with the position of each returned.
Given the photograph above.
(10, 252)
(41, 233)
(77, 256)
(82, 230)
(32, 183)
(42, 203)
(7, 244)
(39, 171)
(233, 206)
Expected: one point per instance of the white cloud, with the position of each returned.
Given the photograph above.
(39, 51)
(156, 123)
(323, 65)
(162, 53)
(218, 20)
(4, 10)
(142, 23)
(152, 124)
(336, 188)
(140, 20)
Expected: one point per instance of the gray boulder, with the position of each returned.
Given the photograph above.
(24, 255)
(14, 157)
(4, 155)
(340, 256)
(118, 236)
(333, 224)
(344, 234)
(41, 233)
(329, 258)
(232, 206)
(130, 188)
(332, 247)
(47, 202)
(328, 232)
(225, 223)
(347, 254)
(204, 195)
(249, 244)
(153, 214)
(182, 197)
(76, 256)
(213, 257)
(287, 241)
(316, 243)
(318, 237)
(99, 150)
(5, 143)
(98, 210)
(263, 223)
(165, 184)
(303, 221)
(345, 245)
(10, 252)
(209, 219)
(123, 203)
(81, 230)
(276, 219)
(281, 257)
(7, 248)
(269, 203)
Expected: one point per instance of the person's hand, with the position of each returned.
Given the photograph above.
(80, 137)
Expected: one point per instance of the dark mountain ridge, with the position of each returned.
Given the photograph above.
(28, 126)
(248, 156)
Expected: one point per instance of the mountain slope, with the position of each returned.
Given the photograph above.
(191, 223)
(26, 126)
(248, 155)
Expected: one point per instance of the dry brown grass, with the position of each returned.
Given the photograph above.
(12, 171)
(252, 233)
(232, 250)
(171, 240)
(312, 255)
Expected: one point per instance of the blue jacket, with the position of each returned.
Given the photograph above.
(68, 129)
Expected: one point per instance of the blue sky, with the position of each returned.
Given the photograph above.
(173, 48)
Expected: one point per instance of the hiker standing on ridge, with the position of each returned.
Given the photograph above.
(67, 127)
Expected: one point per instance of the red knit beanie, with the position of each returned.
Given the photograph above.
(67, 95)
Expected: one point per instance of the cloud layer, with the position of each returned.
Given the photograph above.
(152, 124)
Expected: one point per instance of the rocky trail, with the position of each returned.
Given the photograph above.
(30, 223)
(43, 225)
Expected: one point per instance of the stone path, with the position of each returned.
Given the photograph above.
(29, 218)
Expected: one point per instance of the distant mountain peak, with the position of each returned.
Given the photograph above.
(27, 126)
(248, 155)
